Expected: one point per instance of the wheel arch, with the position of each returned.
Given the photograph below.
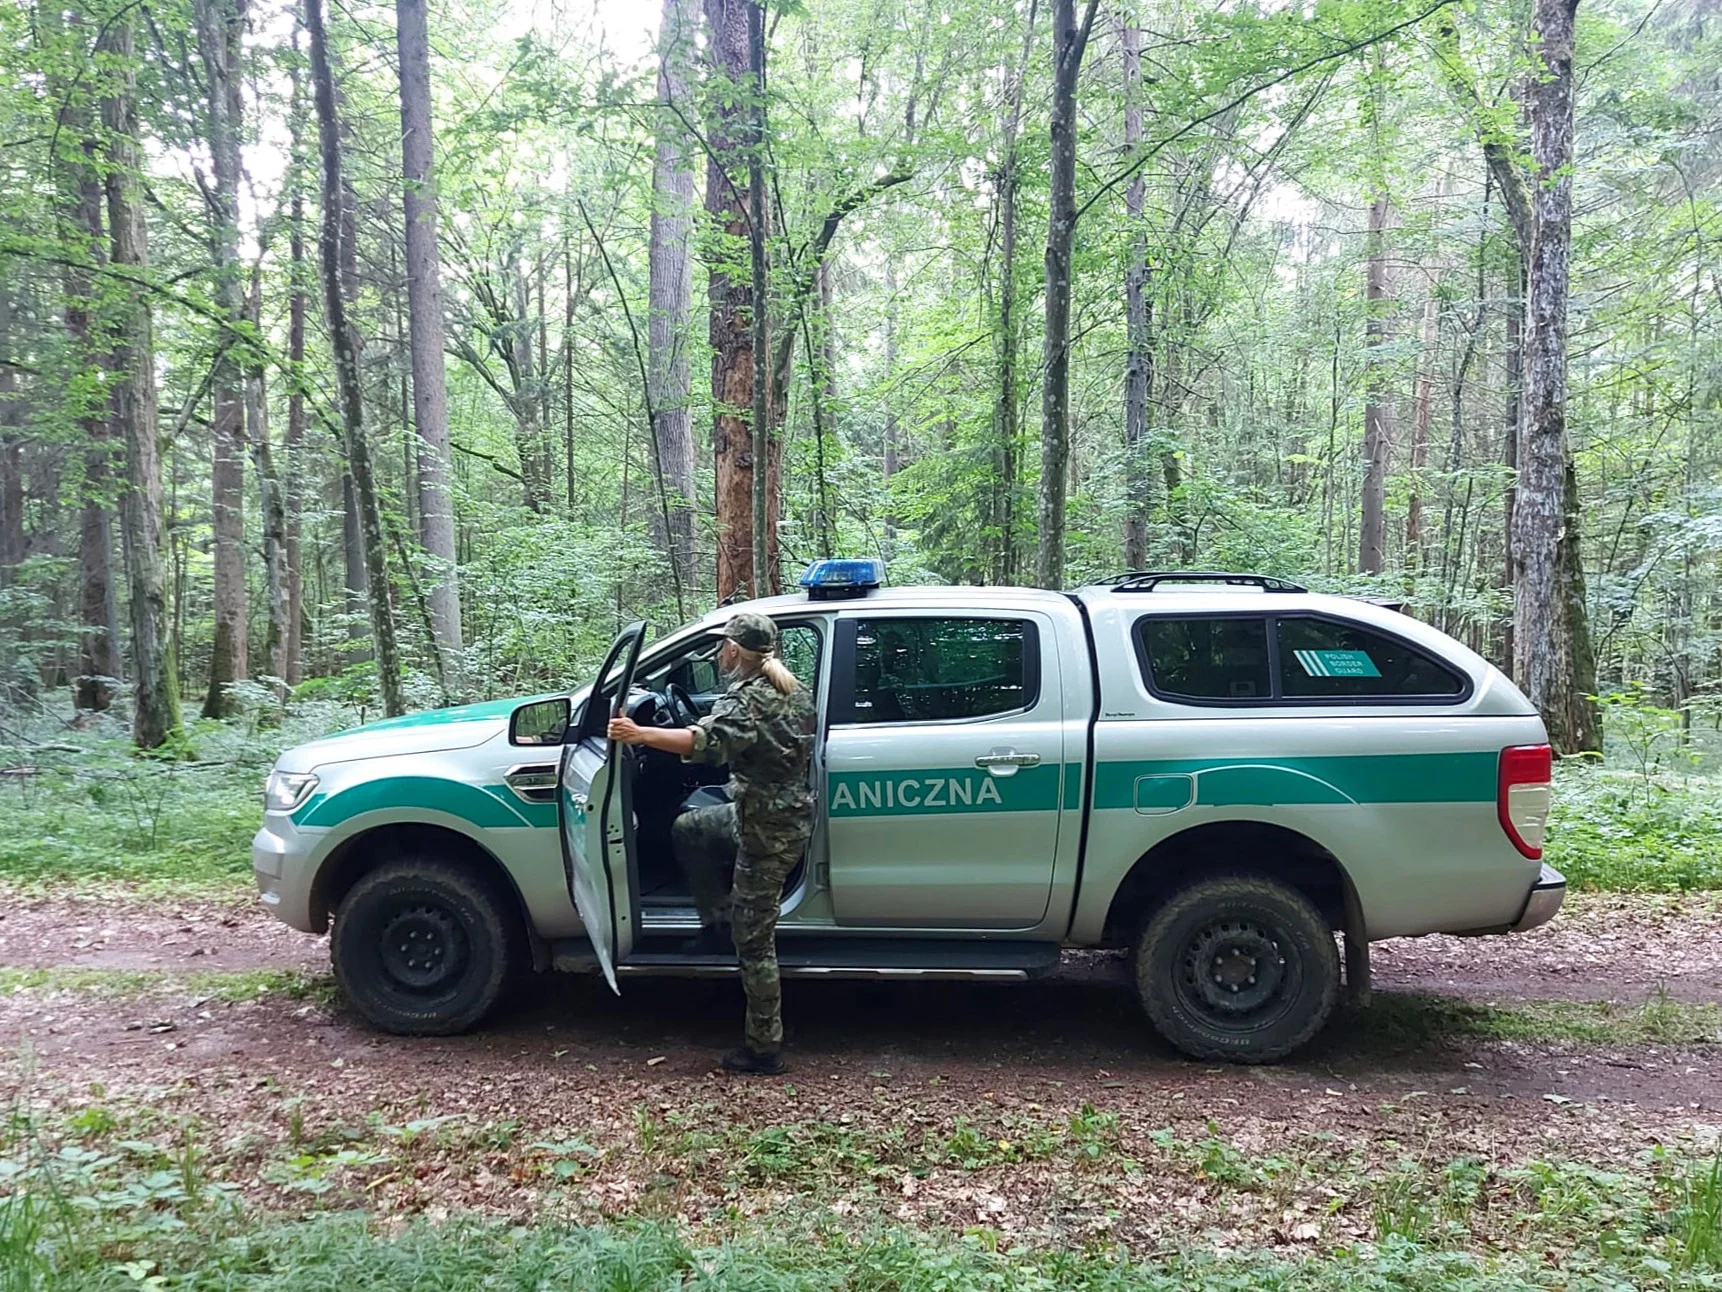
(1238, 846)
(370, 846)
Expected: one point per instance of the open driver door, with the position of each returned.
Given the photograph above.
(596, 816)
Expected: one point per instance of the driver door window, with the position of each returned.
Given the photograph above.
(697, 671)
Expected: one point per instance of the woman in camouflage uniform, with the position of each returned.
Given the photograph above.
(763, 728)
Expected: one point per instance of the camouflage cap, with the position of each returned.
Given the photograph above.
(751, 632)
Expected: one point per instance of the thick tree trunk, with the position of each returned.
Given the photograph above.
(155, 690)
(1068, 42)
(729, 295)
(1378, 408)
(220, 28)
(1548, 609)
(356, 585)
(99, 666)
(1139, 357)
(347, 370)
(424, 308)
(671, 290)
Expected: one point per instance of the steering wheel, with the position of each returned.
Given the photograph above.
(682, 710)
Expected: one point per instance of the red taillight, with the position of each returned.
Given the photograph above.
(1525, 795)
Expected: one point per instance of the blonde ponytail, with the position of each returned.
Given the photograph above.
(768, 665)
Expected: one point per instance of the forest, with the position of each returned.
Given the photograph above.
(396, 356)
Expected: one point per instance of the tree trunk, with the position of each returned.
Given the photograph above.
(729, 296)
(271, 504)
(155, 690)
(100, 665)
(1007, 432)
(347, 370)
(671, 290)
(1139, 358)
(294, 443)
(1422, 421)
(888, 456)
(1068, 43)
(765, 579)
(1378, 408)
(1550, 644)
(425, 322)
(220, 28)
(527, 403)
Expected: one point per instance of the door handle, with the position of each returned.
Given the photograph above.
(1007, 758)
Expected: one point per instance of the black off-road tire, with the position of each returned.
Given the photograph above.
(423, 947)
(1240, 968)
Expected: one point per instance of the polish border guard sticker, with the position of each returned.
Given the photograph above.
(1337, 663)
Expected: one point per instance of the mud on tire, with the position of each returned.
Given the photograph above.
(1239, 968)
(423, 947)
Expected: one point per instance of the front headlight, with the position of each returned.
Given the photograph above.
(285, 791)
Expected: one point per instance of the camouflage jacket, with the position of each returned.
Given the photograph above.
(766, 738)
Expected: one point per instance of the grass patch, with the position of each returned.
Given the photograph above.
(49, 1245)
(1408, 1020)
(210, 984)
(78, 808)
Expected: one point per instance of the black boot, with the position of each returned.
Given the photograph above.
(712, 940)
(755, 1063)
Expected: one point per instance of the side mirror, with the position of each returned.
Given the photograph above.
(542, 722)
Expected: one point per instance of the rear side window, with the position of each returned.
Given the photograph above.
(1207, 659)
(1322, 659)
(938, 669)
(1291, 659)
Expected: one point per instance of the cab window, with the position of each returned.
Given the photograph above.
(1208, 658)
(1324, 659)
(943, 669)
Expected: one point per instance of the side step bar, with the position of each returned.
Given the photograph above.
(837, 957)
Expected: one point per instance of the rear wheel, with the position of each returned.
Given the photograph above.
(423, 947)
(1241, 968)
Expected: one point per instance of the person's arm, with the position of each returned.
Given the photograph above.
(672, 740)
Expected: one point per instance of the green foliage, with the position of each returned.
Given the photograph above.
(78, 807)
(1628, 831)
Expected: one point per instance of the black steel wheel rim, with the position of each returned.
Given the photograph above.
(424, 948)
(1237, 973)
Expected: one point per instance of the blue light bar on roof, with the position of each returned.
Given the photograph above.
(831, 580)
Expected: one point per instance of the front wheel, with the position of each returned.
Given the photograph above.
(1241, 968)
(423, 947)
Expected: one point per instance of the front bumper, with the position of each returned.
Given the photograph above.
(1544, 900)
(281, 864)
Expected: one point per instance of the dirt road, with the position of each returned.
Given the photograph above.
(882, 1071)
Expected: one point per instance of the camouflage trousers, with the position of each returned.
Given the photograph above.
(765, 848)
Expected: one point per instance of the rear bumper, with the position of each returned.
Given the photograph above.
(1543, 901)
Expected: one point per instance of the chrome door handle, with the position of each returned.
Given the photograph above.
(1008, 759)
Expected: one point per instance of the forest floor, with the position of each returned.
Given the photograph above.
(1045, 1113)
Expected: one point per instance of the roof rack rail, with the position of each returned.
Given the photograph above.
(1148, 580)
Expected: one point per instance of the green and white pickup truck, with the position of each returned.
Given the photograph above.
(1216, 772)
